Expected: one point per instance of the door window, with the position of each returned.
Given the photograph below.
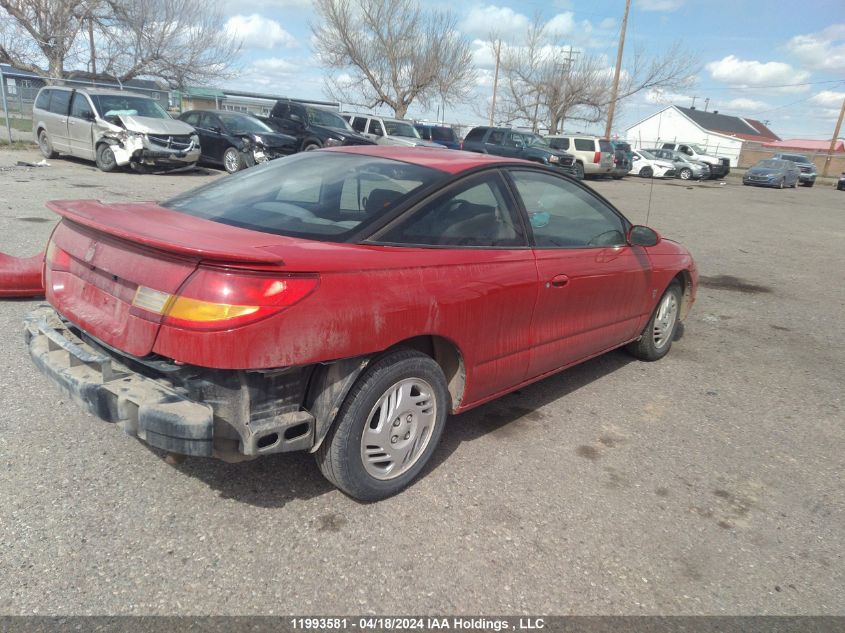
(60, 102)
(478, 214)
(564, 215)
(513, 139)
(376, 128)
(496, 137)
(209, 122)
(559, 143)
(192, 118)
(359, 123)
(43, 101)
(80, 108)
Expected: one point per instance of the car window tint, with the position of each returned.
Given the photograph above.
(192, 118)
(359, 124)
(559, 143)
(80, 107)
(208, 121)
(475, 134)
(60, 101)
(496, 137)
(43, 101)
(376, 128)
(563, 214)
(585, 144)
(478, 214)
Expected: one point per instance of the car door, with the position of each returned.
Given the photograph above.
(57, 120)
(470, 250)
(80, 127)
(213, 139)
(593, 288)
(494, 144)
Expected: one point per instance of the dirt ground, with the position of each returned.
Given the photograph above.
(707, 483)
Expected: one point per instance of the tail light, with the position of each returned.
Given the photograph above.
(597, 158)
(56, 258)
(221, 298)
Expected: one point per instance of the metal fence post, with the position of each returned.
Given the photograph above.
(5, 105)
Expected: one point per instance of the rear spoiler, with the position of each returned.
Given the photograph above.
(157, 227)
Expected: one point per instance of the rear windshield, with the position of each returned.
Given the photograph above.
(605, 146)
(326, 196)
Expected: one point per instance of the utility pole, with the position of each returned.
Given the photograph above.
(567, 65)
(693, 102)
(706, 103)
(611, 110)
(833, 140)
(91, 41)
(495, 81)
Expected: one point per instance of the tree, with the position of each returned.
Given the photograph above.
(178, 41)
(389, 52)
(546, 83)
(35, 30)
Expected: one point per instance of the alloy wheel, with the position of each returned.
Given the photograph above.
(664, 321)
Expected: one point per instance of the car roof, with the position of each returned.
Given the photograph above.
(100, 91)
(446, 160)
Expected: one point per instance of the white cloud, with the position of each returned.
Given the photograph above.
(824, 50)
(660, 5)
(742, 104)
(666, 97)
(483, 20)
(608, 23)
(828, 98)
(561, 24)
(256, 31)
(751, 73)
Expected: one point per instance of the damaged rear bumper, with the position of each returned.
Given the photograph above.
(162, 413)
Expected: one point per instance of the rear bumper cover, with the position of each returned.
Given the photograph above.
(147, 408)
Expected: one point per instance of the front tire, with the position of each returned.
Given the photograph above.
(656, 339)
(685, 173)
(105, 158)
(232, 161)
(646, 172)
(310, 147)
(387, 428)
(781, 183)
(579, 171)
(45, 145)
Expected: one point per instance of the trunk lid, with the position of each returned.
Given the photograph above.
(113, 249)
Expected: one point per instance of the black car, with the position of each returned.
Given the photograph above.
(313, 127)
(236, 140)
(621, 164)
(840, 184)
(503, 141)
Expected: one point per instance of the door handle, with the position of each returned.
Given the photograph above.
(559, 281)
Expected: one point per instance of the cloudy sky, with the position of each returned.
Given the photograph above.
(779, 61)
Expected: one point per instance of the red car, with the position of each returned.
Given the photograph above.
(344, 302)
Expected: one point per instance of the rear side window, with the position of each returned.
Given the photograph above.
(59, 102)
(192, 118)
(564, 215)
(425, 132)
(559, 143)
(496, 137)
(443, 134)
(585, 144)
(475, 134)
(43, 101)
(477, 215)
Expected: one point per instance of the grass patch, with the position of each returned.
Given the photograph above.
(4, 143)
(22, 125)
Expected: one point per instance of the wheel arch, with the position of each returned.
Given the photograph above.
(684, 278)
(448, 355)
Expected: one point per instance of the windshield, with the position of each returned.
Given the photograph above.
(534, 139)
(771, 164)
(318, 116)
(129, 105)
(647, 155)
(400, 128)
(314, 195)
(696, 149)
(240, 124)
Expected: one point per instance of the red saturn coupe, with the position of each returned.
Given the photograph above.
(344, 302)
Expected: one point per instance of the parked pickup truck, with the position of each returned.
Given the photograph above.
(719, 167)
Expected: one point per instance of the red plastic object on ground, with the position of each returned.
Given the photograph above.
(21, 276)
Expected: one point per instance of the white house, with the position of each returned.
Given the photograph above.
(717, 134)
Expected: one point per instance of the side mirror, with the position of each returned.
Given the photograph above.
(89, 116)
(216, 129)
(639, 235)
(519, 145)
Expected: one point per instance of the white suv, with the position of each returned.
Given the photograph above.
(387, 131)
(593, 155)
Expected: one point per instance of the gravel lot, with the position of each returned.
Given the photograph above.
(707, 483)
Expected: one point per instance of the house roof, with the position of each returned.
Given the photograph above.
(747, 129)
(807, 144)
(11, 71)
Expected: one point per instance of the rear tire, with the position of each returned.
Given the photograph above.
(656, 339)
(105, 158)
(809, 184)
(45, 145)
(393, 417)
(310, 147)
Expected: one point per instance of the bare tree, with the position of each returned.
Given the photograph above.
(547, 83)
(390, 52)
(35, 31)
(178, 41)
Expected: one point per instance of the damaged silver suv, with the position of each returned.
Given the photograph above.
(113, 128)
